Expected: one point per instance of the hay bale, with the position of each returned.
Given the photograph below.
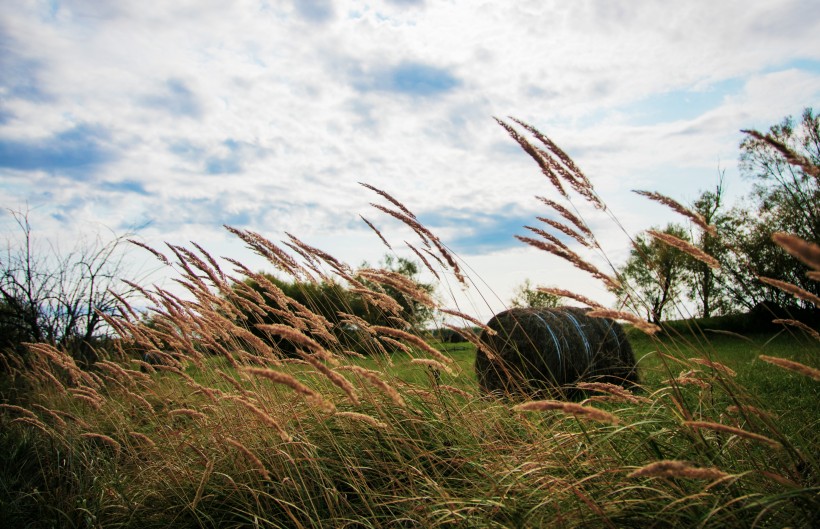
(544, 352)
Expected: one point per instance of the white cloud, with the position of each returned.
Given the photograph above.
(269, 113)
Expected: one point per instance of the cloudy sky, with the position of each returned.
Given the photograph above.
(178, 117)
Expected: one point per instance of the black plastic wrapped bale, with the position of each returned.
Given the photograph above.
(544, 352)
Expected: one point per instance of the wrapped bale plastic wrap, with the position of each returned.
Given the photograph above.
(544, 352)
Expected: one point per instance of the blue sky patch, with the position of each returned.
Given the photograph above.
(126, 186)
(482, 232)
(679, 104)
(409, 78)
(19, 77)
(78, 149)
(318, 11)
(228, 164)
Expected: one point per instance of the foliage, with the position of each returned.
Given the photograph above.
(525, 296)
(786, 198)
(655, 273)
(711, 289)
(334, 303)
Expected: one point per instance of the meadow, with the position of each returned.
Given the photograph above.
(208, 413)
(211, 449)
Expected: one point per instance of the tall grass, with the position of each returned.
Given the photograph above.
(223, 429)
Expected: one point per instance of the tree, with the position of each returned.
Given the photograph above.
(55, 297)
(329, 299)
(654, 274)
(413, 311)
(785, 166)
(708, 287)
(527, 296)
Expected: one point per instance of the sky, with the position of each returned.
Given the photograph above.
(171, 119)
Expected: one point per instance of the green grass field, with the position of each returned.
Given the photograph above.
(214, 447)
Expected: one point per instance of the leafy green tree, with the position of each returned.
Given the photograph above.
(708, 288)
(654, 274)
(329, 299)
(417, 314)
(785, 167)
(527, 296)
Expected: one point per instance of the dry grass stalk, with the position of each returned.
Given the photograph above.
(105, 439)
(287, 380)
(379, 299)
(433, 364)
(142, 438)
(94, 403)
(791, 156)
(536, 155)
(566, 230)
(458, 391)
(468, 334)
(424, 234)
(793, 366)
(434, 256)
(139, 398)
(686, 247)
(674, 205)
(800, 325)
(55, 416)
(400, 282)
(729, 333)
(691, 378)
(257, 463)
(643, 325)
(367, 419)
(263, 416)
(560, 292)
(814, 276)
(211, 260)
(293, 335)
(164, 260)
(560, 163)
(335, 378)
(423, 260)
(187, 412)
(794, 290)
(748, 409)
(372, 227)
(32, 422)
(676, 469)
(714, 426)
(375, 380)
(617, 392)
(413, 340)
(570, 408)
(19, 409)
(390, 199)
(275, 255)
(717, 366)
(548, 236)
(808, 253)
(478, 323)
(572, 258)
(324, 256)
(570, 216)
(404, 348)
(427, 238)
